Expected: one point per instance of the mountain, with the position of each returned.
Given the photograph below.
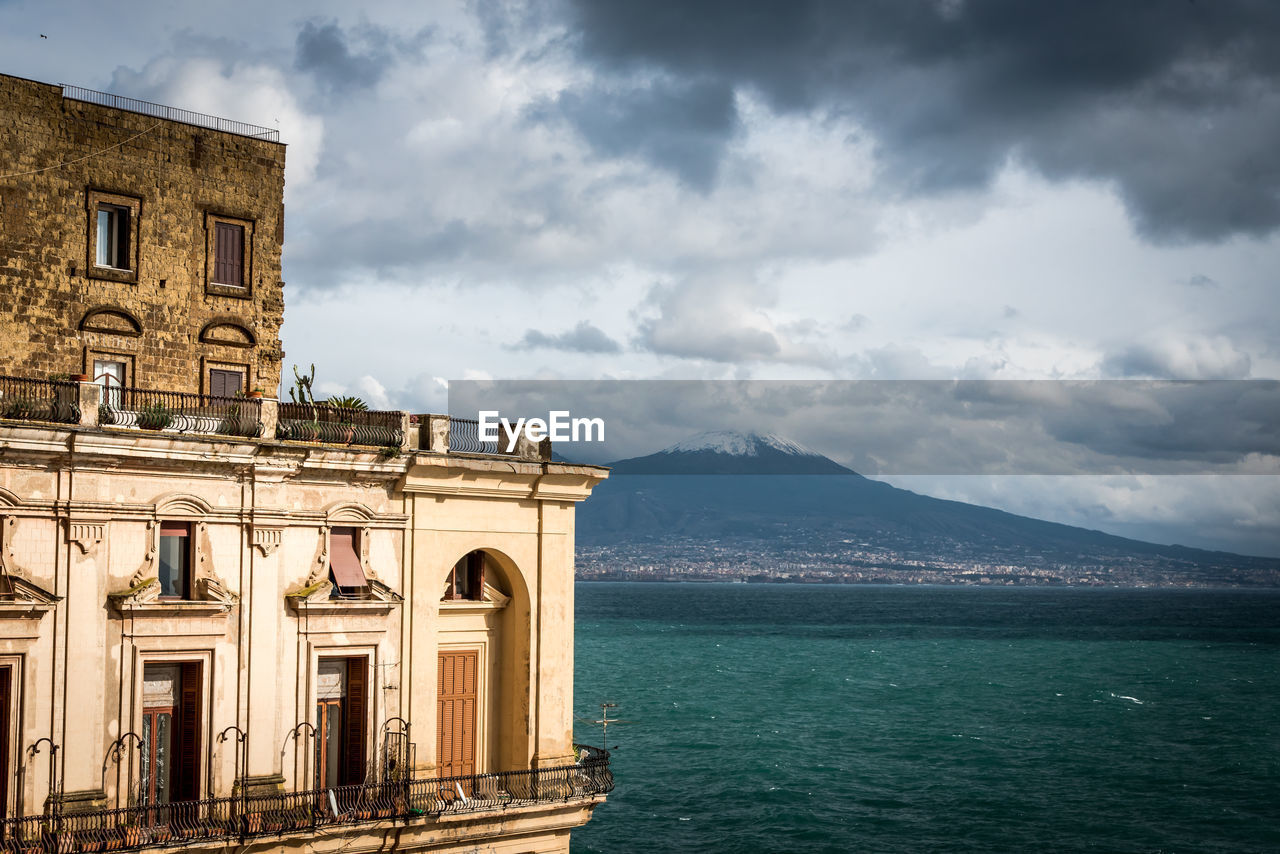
(730, 452)
(789, 512)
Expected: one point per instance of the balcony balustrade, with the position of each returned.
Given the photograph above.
(39, 400)
(178, 412)
(235, 819)
(88, 404)
(338, 425)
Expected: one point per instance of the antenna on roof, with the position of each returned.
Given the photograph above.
(604, 722)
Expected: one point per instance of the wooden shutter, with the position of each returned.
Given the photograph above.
(357, 717)
(228, 254)
(476, 559)
(224, 383)
(186, 770)
(456, 728)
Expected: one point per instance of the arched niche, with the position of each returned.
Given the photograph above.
(111, 320)
(497, 621)
(227, 332)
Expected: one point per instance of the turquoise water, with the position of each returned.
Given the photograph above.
(786, 718)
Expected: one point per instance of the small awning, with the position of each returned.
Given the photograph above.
(344, 561)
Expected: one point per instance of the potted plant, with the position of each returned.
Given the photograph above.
(155, 416)
(256, 394)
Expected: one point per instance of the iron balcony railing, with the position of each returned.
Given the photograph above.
(160, 111)
(237, 818)
(179, 412)
(24, 399)
(339, 425)
(464, 438)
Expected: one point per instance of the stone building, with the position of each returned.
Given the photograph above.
(150, 256)
(226, 620)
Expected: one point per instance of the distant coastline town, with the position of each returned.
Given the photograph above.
(686, 560)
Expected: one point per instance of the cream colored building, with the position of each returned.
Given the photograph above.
(229, 621)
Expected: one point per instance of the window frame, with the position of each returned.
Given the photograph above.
(241, 371)
(244, 290)
(355, 708)
(188, 553)
(358, 544)
(122, 205)
(188, 714)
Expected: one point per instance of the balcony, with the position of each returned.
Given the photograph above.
(391, 432)
(177, 412)
(335, 425)
(235, 820)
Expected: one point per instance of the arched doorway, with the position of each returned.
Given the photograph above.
(482, 690)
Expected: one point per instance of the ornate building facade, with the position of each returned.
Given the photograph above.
(225, 619)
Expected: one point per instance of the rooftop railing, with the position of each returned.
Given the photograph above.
(160, 111)
(89, 405)
(338, 425)
(234, 819)
(464, 438)
(39, 400)
(178, 412)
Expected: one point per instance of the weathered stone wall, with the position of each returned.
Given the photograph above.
(176, 179)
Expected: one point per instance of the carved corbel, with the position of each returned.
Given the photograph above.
(267, 540)
(86, 535)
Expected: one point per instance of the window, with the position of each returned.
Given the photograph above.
(341, 713)
(113, 237)
(467, 579)
(345, 568)
(224, 383)
(228, 254)
(175, 560)
(170, 733)
(110, 375)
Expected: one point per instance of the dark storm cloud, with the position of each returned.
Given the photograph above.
(583, 338)
(1178, 103)
(325, 51)
(681, 127)
(1161, 361)
(930, 427)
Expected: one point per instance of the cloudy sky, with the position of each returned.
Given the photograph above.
(750, 190)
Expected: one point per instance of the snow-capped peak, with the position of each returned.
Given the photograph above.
(735, 444)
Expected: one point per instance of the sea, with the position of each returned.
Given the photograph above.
(815, 718)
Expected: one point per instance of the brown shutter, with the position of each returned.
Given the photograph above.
(477, 576)
(224, 383)
(356, 720)
(186, 780)
(228, 254)
(456, 724)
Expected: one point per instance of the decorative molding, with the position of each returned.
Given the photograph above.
(348, 512)
(267, 540)
(181, 505)
(86, 535)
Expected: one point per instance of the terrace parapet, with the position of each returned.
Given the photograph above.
(87, 404)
